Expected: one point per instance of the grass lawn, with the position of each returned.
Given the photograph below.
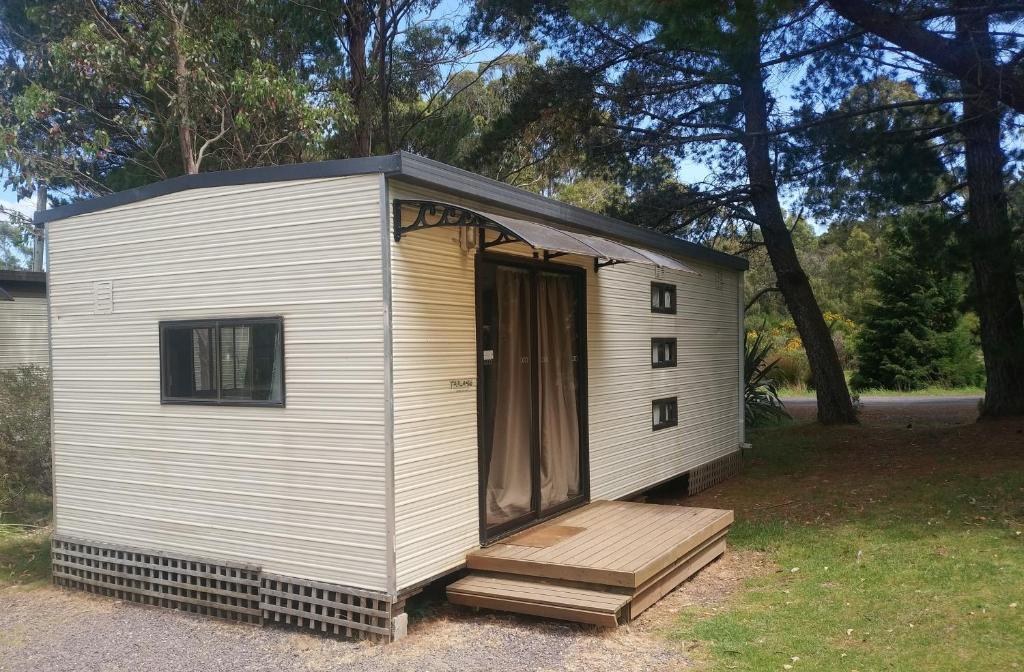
(25, 544)
(894, 549)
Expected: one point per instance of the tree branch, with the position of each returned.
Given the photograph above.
(957, 59)
(757, 297)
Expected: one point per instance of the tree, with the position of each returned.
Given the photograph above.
(109, 94)
(914, 334)
(688, 79)
(990, 235)
(105, 95)
(963, 44)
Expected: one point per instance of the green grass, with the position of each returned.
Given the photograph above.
(25, 544)
(926, 392)
(923, 577)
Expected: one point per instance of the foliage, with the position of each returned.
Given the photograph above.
(915, 335)
(25, 467)
(872, 165)
(116, 93)
(112, 94)
(17, 239)
(761, 401)
(25, 542)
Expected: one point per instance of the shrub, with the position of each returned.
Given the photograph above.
(25, 466)
(760, 394)
(791, 369)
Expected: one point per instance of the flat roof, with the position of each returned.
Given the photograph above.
(23, 277)
(417, 170)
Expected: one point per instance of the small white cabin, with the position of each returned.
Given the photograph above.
(23, 331)
(304, 392)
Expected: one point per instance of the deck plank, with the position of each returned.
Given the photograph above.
(537, 598)
(620, 558)
(619, 543)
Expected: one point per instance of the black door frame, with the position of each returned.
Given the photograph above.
(491, 534)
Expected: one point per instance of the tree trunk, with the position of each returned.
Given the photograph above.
(990, 236)
(357, 30)
(186, 127)
(834, 404)
(383, 75)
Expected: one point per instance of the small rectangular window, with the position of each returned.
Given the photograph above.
(664, 413)
(663, 353)
(236, 362)
(663, 298)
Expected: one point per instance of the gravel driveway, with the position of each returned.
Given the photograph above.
(45, 630)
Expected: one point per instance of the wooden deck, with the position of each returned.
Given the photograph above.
(603, 563)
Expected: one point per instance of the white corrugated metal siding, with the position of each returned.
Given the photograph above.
(299, 490)
(625, 454)
(434, 334)
(23, 330)
(436, 486)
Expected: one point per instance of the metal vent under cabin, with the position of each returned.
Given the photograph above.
(223, 590)
(713, 473)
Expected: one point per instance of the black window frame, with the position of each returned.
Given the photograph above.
(662, 288)
(673, 359)
(665, 402)
(215, 324)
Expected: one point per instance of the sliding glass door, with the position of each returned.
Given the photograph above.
(531, 380)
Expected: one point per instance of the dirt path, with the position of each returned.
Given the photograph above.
(45, 629)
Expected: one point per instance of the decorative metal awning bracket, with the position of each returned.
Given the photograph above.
(598, 264)
(548, 256)
(431, 214)
(503, 238)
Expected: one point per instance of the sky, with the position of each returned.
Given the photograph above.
(9, 200)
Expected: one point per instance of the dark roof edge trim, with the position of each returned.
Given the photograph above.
(226, 178)
(27, 277)
(418, 170)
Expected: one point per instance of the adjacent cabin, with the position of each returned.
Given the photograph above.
(24, 339)
(301, 393)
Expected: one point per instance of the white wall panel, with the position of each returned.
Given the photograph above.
(299, 490)
(434, 332)
(626, 455)
(23, 330)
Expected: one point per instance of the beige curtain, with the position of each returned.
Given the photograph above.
(508, 474)
(559, 422)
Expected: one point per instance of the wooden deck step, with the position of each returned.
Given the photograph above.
(537, 597)
(622, 544)
(603, 563)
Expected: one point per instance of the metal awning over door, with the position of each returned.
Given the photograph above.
(416, 215)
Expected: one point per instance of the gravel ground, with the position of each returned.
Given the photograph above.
(46, 630)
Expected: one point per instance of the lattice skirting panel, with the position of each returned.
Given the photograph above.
(223, 590)
(320, 606)
(232, 591)
(713, 473)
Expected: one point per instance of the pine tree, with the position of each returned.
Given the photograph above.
(914, 334)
